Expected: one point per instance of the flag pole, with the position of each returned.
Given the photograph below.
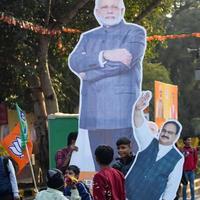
(32, 172)
(24, 138)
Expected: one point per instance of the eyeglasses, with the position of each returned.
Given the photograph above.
(166, 131)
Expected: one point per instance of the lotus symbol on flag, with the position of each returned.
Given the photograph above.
(22, 116)
(16, 147)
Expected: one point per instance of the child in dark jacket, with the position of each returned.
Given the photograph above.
(126, 157)
(71, 180)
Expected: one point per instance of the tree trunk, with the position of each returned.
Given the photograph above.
(45, 102)
(45, 79)
(41, 146)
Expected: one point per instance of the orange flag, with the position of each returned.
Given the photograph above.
(12, 144)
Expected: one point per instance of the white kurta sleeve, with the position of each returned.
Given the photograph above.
(13, 179)
(143, 135)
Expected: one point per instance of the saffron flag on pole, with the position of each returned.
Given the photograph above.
(12, 143)
(23, 127)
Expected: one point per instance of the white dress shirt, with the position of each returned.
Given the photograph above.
(145, 137)
(13, 179)
(102, 62)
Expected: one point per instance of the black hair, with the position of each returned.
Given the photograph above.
(104, 154)
(75, 169)
(123, 140)
(71, 136)
(175, 124)
(185, 138)
(55, 179)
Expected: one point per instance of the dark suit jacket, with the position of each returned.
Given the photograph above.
(108, 93)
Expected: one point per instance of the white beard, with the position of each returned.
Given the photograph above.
(109, 22)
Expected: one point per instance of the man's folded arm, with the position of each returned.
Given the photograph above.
(136, 44)
(137, 49)
(80, 61)
(109, 69)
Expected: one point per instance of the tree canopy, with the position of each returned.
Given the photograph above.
(34, 70)
(182, 64)
(20, 48)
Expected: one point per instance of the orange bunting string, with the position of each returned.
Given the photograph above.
(166, 37)
(34, 27)
(59, 44)
(44, 31)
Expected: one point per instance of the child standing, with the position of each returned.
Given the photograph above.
(55, 187)
(126, 158)
(71, 179)
(108, 183)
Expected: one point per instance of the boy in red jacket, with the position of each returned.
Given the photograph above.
(190, 165)
(108, 183)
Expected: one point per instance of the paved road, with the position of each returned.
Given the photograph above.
(196, 198)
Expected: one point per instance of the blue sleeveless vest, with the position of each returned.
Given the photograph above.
(5, 185)
(148, 177)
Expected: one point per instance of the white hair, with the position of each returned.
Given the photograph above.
(121, 4)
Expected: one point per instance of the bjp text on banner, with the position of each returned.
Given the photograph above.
(166, 102)
(12, 144)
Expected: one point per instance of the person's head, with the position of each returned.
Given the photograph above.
(55, 179)
(124, 147)
(104, 155)
(72, 138)
(187, 141)
(109, 12)
(170, 132)
(73, 171)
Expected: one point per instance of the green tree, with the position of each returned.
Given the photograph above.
(34, 71)
(180, 63)
(154, 72)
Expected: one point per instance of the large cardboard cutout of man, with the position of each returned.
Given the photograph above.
(158, 166)
(108, 60)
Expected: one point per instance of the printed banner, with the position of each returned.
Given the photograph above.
(166, 102)
(108, 62)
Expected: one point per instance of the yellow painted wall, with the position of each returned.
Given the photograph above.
(195, 142)
(13, 119)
